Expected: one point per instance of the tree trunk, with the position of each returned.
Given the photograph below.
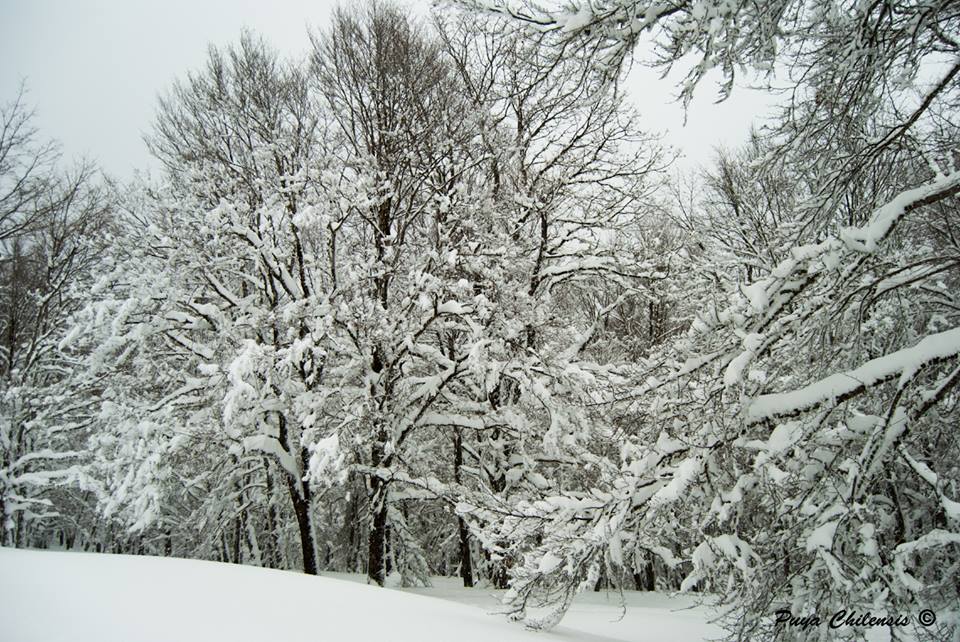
(237, 537)
(376, 556)
(499, 574)
(300, 496)
(466, 565)
(18, 530)
(645, 580)
(271, 543)
(4, 532)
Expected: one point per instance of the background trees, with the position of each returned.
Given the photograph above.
(49, 222)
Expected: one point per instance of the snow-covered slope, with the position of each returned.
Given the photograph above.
(77, 597)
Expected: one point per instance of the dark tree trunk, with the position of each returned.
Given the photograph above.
(237, 535)
(353, 552)
(271, 545)
(645, 580)
(18, 531)
(499, 574)
(377, 550)
(224, 551)
(300, 496)
(466, 565)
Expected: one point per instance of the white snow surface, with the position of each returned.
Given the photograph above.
(48, 596)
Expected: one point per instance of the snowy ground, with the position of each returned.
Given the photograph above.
(50, 596)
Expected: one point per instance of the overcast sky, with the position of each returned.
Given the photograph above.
(94, 68)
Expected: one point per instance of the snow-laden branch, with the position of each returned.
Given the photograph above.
(843, 385)
(269, 445)
(884, 219)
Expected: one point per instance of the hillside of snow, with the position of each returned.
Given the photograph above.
(48, 596)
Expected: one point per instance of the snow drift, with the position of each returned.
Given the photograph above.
(48, 596)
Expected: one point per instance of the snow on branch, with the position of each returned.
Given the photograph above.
(843, 385)
(269, 445)
(883, 220)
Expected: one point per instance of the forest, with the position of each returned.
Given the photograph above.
(429, 301)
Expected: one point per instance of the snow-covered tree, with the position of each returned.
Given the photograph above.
(203, 325)
(794, 442)
(366, 289)
(50, 224)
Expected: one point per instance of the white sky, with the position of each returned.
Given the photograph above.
(94, 69)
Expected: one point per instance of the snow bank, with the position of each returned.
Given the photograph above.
(50, 596)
